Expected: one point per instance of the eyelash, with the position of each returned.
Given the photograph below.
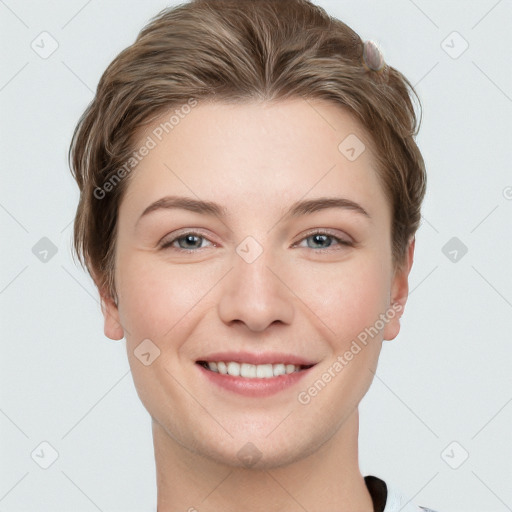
(167, 245)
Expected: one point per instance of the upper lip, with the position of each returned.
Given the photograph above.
(264, 358)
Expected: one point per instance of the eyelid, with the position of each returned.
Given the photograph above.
(170, 238)
(167, 244)
(330, 232)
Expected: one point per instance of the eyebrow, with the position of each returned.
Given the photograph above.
(210, 208)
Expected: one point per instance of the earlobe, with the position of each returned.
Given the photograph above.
(399, 295)
(111, 322)
(112, 325)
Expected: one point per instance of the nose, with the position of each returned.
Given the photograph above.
(256, 294)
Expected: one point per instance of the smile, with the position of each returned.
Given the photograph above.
(252, 371)
(253, 375)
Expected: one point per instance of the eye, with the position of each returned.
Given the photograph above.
(191, 241)
(321, 238)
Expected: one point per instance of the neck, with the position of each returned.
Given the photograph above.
(328, 479)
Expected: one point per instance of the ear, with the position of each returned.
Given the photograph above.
(111, 322)
(399, 294)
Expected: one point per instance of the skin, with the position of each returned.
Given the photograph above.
(261, 158)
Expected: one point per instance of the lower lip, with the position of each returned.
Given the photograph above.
(254, 387)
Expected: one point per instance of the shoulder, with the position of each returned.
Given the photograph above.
(398, 501)
(388, 497)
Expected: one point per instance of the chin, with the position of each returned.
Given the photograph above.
(259, 452)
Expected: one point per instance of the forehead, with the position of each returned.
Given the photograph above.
(293, 125)
(256, 153)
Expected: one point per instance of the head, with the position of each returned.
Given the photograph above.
(251, 111)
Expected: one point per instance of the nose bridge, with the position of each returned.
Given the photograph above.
(253, 294)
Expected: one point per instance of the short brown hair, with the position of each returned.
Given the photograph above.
(236, 51)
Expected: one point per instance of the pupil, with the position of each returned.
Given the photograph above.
(319, 237)
(190, 238)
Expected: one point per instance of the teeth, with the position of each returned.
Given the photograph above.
(251, 371)
(248, 370)
(264, 371)
(279, 369)
(233, 369)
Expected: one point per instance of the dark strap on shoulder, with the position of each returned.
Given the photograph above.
(378, 491)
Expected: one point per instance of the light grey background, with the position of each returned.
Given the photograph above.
(443, 387)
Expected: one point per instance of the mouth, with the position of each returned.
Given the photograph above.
(253, 374)
(253, 371)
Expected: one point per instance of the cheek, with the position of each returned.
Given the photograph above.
(156, 296)
(346, 298)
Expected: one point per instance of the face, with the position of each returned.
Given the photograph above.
(254, 277)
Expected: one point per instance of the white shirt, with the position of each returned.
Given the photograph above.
(390, 497)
